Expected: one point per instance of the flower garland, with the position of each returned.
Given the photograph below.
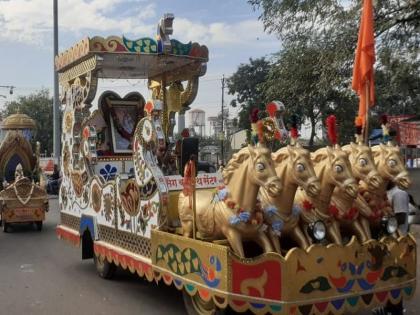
(348, 215)
(244, 216)
(308, 206)
(28, 197)
(276, 225)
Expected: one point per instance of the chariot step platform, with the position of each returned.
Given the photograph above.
(125, 193)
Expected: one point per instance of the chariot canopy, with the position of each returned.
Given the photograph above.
(158, 59)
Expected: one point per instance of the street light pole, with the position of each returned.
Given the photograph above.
(56, 104)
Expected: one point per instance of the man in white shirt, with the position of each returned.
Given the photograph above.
(399, 200)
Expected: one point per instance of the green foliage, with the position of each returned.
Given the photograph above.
(397, 83)
(245, 84)
(38, 106)
(306, 77)
(396, 22)
(313, 71)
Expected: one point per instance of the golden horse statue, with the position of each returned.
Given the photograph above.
(232, 212)
(391, 168)
(294, 166)
(333, 169)
(364, 170)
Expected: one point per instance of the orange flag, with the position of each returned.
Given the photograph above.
(364, 60)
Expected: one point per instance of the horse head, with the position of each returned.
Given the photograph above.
(336, 170)
(297, 161)
(363, 165)
(390, 164)
(262, 171)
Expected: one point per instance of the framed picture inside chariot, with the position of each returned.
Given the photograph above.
(123, 118)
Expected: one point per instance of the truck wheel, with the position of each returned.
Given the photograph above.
(394, 309)
(390, 309)
(195, 305)
(38, 225)
(104, 268)
(5, 226)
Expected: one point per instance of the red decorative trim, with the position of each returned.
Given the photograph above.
(381, 296)
(68, 234)
(125, 260)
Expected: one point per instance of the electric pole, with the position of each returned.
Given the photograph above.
(222, 137)
(56, 103)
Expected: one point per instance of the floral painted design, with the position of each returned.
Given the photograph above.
(187, 261)
(148, 211)
(64, 197)
(130, 199)
(96, 197)
(108, 172)
(108, 207)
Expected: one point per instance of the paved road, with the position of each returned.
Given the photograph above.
(40, 274)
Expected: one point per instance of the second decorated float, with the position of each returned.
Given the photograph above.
(22, 197)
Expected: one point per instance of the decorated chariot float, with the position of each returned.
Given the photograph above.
(22, 199)
(284, 232)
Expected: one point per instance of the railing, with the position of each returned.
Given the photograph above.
(411, 157)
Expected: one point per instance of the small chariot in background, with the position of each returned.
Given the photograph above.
(22, 199)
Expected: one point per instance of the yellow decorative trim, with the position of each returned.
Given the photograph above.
(77, 70)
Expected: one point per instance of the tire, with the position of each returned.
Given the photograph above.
(394, 309)
(5, 227)
(194, 305)
(104, 268)
(390, 309)
(38, 225)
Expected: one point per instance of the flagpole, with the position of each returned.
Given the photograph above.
(367, 113)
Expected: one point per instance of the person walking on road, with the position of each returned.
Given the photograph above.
(400, 201)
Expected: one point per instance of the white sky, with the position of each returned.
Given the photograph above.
(230, 29)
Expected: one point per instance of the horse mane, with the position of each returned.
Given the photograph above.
(234, 163)
(280, 155)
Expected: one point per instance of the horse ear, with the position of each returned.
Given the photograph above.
(252, 151)
(376, 151)
(317, 157)
(281, 154)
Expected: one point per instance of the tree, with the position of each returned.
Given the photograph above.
(327, 31)
(38, 106)
(397, 84)
(397, 22)
(245, 84)
(307, 79)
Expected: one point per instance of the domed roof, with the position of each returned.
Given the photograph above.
(18, 121)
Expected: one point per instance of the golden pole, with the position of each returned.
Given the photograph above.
(366, 129)
(194, 197)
